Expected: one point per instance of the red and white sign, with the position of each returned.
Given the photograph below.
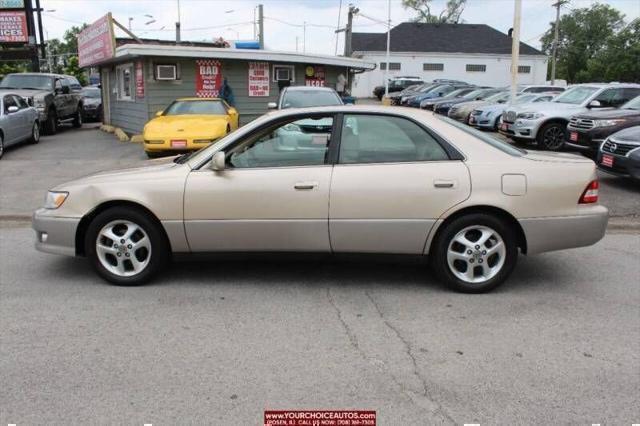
(315, 82)
(607, 160)
(208, 78)
(315, 76)
(13, 27)
(258, 79)
(573, 136)
(96, 42)
(139, 79)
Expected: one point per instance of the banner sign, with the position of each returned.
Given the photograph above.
(13, 27)
(208, 78)
(314, 76)
(139, 79)
(258, 79)
(96, 42)
(11, 4)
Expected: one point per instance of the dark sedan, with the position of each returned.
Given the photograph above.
(92, 105)
(480, 93)
(587, 131)
(620, 153)
(429, 103)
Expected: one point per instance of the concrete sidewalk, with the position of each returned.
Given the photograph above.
(28, 171)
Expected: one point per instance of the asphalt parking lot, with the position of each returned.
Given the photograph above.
(218, 341)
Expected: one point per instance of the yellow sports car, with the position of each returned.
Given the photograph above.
(189, 124)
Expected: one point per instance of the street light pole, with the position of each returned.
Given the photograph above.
(555, 39)
(386, 68)
(515, 50)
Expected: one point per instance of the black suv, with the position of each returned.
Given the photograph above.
(396, 85)
(56, 97)
(587, 131)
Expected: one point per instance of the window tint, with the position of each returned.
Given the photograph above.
(20, 102)
(8, 101)
(617, 97)
(385, 139)
(299, 143)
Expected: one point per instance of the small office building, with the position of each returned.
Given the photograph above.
(143, 78)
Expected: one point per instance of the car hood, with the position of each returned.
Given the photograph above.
(631, 134)
(30, 93)
(610, 113)
(549, 108)
(493, 108)
(92, 101)
(175, 126)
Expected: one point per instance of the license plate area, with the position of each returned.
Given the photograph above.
(178, 144)
(607, 160)
(573, 136)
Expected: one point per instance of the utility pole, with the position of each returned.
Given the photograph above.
(178, 25)
(557, 5)
(304, 37)
(338, 28)
(386, 68)
(40, 30)
(261, 26)
(515, 50)
(349, 30)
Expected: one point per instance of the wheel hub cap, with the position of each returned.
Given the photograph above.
(476, 254)
(123, 248)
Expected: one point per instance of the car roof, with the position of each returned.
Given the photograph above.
(309, 88)
(606, 85)
(41, 73)
(192, 98)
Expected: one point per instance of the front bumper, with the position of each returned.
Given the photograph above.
(520, 129)
(482, 121)
(559, 233)
(166, 145)
(582, 140)
(55, 234)
(622, 165)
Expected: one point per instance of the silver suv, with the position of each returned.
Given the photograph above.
(546, 122)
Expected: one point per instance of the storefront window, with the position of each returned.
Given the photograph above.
(125, 82)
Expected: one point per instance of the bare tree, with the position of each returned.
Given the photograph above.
(449, 15)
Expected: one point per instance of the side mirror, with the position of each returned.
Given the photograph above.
(233, 111)
(218, 161)
(159, 113)
(594, 104)
(272, 105)
(65, 90)
(12, 109)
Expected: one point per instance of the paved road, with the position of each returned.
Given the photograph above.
(218, 342)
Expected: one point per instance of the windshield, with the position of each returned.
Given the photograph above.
(523, 99)
(196, 108)
(632, 104)
(91, 92)
(485, 137)
(27, 81)
(576, 95)
(501, 96)
(309, 98)
(474, 94)
(431, 88)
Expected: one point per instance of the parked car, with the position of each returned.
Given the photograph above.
(488, 116)
(541, 88)
(546, 123)
(306, 96)
(396, 85)
(458, 93)
(619, 154)
(394, 97)
(18, 121)
(462, 111)
(56, 97)
(388, 180)
(91, 103)
(426, 88)
(437, 92)
(188, 124)
(587, 131)
(442, 107)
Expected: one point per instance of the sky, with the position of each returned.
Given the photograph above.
(284, 28)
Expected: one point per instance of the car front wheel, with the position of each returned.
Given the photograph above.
(551, 136)
(474, 253)
(35, 133)
(51, 125)
(125, 246)
(77, 120)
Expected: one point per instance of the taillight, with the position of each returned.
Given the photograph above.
(590, 194)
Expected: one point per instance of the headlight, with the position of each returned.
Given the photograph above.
(530, 115)
(153, 141)
(608, 123)
(54, 199)
(205, 140)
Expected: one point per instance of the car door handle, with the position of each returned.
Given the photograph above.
(444, 183)
(305, 185)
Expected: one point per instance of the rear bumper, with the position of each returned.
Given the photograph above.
(55, 234)
(558, 233)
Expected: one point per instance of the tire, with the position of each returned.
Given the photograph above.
(51, 124)
(115, 261)
(1, 146)
(551, 136)
(35, 133)
(77, 120)
(450, 259)
(154, 154)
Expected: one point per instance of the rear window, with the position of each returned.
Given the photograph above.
(486, 138)
(310, 98)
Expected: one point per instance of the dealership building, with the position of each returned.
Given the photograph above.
(476, 54)
(141, 77)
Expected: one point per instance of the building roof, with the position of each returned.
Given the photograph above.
(133, 50)
(440, 38)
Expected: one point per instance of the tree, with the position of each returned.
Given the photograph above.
(583, 34)
(619, 60)
(449, 15)
(73, 69)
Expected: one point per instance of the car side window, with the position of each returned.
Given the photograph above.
(612, 97)
(296, 143)
(386, 139)
(58, 85)
(20, 102)
(8, 101)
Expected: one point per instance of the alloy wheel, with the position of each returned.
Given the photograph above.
(123, 248)
(476, 254)
(1, 146)
(553, 137)
(35, 134)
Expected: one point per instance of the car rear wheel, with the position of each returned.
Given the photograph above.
(35, 133)
(551, 137)
(51, 124)
(1, 146)
(77, 120)
(125, 246)
(474, 253)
